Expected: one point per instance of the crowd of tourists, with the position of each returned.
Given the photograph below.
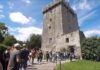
(17, 57)
(14, 58)
(53, 56)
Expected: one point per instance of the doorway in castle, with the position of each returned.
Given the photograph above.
(71, 49)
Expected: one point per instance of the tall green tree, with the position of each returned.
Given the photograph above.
(1, 38)
(34, 42)
(91, 48)
(9, 40)
(20, 42)
(3, 31)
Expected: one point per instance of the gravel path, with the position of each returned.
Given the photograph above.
(43, 66)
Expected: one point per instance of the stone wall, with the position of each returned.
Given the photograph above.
(59, 25)
(52, 26)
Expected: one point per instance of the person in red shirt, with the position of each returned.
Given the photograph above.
(33, 55)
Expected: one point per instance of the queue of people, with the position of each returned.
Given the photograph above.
(36, 54)
(53, 56)
(17, 56)
(14, 58)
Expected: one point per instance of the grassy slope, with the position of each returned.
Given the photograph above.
(80, 65)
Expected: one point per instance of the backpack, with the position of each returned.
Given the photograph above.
(24, 54)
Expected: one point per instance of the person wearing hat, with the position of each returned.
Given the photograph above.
(14, 60)
(24, 57)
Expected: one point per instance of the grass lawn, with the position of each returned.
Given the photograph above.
(80, 65)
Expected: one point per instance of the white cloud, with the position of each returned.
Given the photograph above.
(1, 8)
(85, 9)
(74, 7)
(32, 20)
(18, 17)
(10, 4)
(84, 5)
(24, 33)
(2, 16)
(88, 16)
(92, 33)
(1, 11)
(27, 1)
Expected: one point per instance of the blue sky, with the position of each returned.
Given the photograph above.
(24, 17)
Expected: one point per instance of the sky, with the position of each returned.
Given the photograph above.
(24, 17)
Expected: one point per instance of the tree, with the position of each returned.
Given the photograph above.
(34, 42)
(1, 38)
(3, 31)
(9, 40)
(91, 48)
(20, 42)
(63, 49)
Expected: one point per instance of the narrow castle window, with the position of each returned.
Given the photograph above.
(67, 40)
(50, 19)
(49, 27)
(50, 40)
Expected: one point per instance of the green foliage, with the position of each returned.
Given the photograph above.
(2, 48)
(1, 38)
(63, 49)
(2, 25)
(91, 48)
(3, 30)
(20, 42)
(9, 40)
(5, 39)
(80, 65)
(34, 42)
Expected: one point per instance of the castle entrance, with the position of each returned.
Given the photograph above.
(71, 49)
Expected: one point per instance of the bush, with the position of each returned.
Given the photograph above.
(63, 49)
(9, 40)
(91, 48)
(2, 48)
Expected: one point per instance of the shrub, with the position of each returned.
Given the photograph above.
(2, 48)
(63, 49)
(91, 48)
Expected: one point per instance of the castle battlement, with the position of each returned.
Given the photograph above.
(56, 3)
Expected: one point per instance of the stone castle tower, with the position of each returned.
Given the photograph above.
(60, 28)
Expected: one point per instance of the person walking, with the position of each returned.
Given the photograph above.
(6, 56)
(30, 56)
(47, 56)
(71, 58)
(54, 54)
(50, 56)
(24, 57)
(14, 60)
(40, 56)
(33, 55)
